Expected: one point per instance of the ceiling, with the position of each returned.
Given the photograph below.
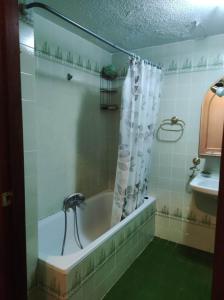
(134, 24)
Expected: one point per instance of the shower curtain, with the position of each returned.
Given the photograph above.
(139, 108)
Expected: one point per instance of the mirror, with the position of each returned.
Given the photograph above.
(212, 119)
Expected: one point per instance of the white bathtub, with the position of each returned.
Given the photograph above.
(100, 242)
(93, 220)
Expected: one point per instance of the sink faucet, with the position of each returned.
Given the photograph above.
(73, 200)
(196, 161)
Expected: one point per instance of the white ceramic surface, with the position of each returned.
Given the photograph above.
(94, 226)
(206, 184)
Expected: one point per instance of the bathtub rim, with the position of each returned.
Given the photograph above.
(64, 264)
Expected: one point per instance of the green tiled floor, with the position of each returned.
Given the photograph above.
(166, 271)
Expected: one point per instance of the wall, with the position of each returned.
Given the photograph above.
(27, 62)
(55, 41)
(73, 134)
(66, 136)
(191, 67)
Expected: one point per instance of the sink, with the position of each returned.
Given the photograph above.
(206, 184)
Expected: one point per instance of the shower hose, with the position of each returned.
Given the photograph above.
(76, 231)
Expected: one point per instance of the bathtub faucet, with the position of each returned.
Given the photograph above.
(73, 200)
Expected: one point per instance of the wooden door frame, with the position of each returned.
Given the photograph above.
(13, 255)
(13, 283)
(218, 267)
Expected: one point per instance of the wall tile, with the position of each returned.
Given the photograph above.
(26, 35)
(77, 153)
(27, 62)
(31, 199)
(30, 155)
(199, 237)
(193, 67)
(37, 294)
(27, 86)
(104, 271)
(30, 163)
(162, 227)
(32, 253)
(29, 125)
(175, 231)
(78, 295)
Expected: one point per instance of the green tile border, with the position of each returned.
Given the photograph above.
(67, 59)
(204, 221)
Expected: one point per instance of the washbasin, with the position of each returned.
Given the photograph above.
(206, 184)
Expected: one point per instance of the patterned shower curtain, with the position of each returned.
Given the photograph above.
(139, 109)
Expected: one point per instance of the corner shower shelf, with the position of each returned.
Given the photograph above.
(107, 93)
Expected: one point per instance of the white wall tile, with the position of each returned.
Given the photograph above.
(26, 36)
(29, 125)
(27, 86)
(30, 154)
(27, 62)
(73, 134)
(182, 95)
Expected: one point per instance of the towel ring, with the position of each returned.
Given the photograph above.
(166, 125)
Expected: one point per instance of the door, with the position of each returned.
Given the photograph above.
(218, 270)
(12, 208)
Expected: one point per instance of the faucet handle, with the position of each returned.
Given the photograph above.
(80, 196)
(73, 200)
(81, 205)
(196, 161)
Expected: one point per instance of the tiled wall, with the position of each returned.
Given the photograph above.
(70, 113)
(183, 216)
(27, 61)
(187, 56)
(191, 67)
(56, 42)
(65, 133)
(73, 134)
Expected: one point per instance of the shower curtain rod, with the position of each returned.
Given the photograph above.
(59, 15)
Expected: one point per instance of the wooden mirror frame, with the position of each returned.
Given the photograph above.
(211, 125)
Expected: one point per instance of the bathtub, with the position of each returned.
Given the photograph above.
(106, 255)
